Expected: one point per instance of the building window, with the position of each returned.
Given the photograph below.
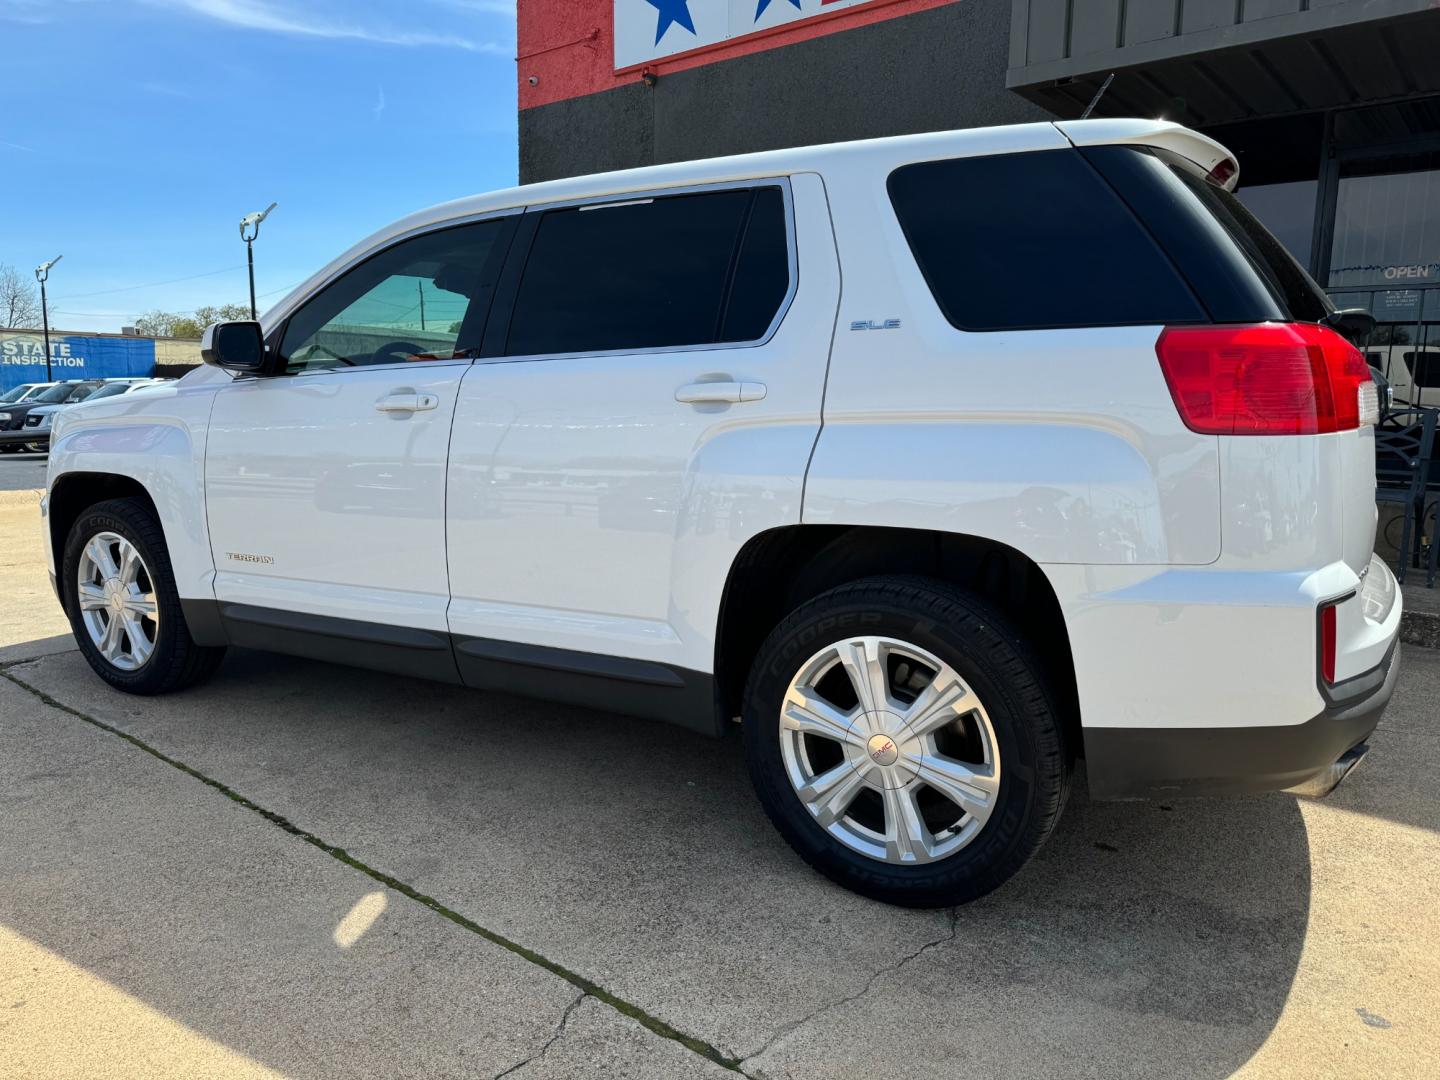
(1386, 258)
(1387, 225)
(1288, 211)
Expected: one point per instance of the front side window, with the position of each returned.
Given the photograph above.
(423, 299)
(651, 273)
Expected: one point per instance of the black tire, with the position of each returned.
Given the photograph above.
(177, 661)
(989, 655)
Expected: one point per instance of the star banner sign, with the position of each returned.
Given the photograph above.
(648, 29)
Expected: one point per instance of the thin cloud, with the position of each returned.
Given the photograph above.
(27, 12)
(379, 106)
(16, 146)
(489, 7)
(277, 18)
(165, 90)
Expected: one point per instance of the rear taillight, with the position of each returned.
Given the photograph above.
(1327, 642)
(1266, 379)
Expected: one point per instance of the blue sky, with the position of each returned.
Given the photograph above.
(134, 135)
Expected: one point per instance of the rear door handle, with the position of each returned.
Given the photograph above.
(400, 403)
(701, 393)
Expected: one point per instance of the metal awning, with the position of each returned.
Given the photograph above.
(1207, 62)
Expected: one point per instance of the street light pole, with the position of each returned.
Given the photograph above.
(42, 275)
(249, 230)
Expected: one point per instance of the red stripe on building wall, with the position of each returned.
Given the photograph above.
(566, 48)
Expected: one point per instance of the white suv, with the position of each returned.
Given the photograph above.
(940, 462)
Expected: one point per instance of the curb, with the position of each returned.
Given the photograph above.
(20, 498)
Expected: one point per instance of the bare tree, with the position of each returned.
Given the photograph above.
(19, 302)
(179, 324)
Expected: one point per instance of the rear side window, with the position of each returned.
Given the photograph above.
(653, 273)
(1292, 286)
(1033, 241)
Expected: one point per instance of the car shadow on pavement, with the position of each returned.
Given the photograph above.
(1147, 939)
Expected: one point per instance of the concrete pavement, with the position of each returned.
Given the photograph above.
(1260, 937)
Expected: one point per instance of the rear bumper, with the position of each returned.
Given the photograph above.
(1143, 763)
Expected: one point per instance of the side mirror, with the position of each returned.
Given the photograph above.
(234, 346)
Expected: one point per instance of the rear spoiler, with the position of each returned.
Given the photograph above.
(1210, 159)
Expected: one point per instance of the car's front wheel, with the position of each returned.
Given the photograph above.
(119, 593)
(902, 739)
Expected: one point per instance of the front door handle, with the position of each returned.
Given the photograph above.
(702, 393)
(402, 403)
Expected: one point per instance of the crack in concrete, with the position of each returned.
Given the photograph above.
(586, 987)
(554, 1038)
(794, 1026)
(7, 664)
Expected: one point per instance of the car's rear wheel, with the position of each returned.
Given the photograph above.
(120, 596)
(902, 739)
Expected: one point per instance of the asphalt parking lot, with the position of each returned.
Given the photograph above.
(21, 470)
(304, 870)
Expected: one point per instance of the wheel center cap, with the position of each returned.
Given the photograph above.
(116, 595)
(882, 750)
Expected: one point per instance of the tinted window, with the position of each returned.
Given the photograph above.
(423, 299)
(1292, 286)
(762, 273)
(1217, 269)
(1024, 241)
(111, 390)
(653, 273)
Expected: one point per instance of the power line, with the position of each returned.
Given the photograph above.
(136, 311)
(150, 285)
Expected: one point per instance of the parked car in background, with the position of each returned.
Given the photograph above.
(931, 538)
(12, 417)
(37, 422)
(17, 394)
(1413, 372)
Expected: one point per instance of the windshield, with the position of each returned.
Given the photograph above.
(109, 391)
(58, 392)
(15, 394)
